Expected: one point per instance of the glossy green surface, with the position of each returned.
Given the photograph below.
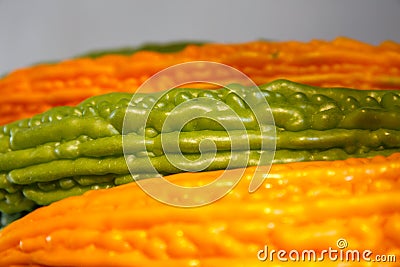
(69, 150)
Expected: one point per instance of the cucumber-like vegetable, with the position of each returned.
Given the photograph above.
(47, 157)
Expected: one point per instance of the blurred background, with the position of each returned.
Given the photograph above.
(46, 30)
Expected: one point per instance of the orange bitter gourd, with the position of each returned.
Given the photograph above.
(340, 62)
(300, 206)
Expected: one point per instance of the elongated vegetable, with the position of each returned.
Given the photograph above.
(340, 62)
(69, 150)
(300, 206)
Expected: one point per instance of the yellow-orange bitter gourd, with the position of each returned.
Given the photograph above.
(300, 206)
(342, 62)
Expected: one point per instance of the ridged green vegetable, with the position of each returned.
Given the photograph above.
(69, 150)
(156, 47)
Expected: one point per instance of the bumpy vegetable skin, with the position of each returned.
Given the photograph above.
(69, 150)
(338, 202)
(340, 62)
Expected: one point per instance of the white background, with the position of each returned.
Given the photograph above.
(41, 30)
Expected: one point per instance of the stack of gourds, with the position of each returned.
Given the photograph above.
(335, 173)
